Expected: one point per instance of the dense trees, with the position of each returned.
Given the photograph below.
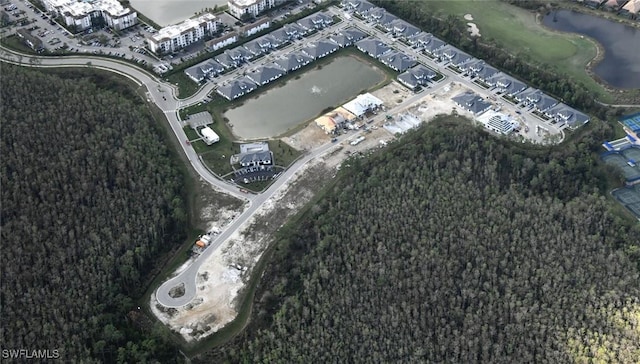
(90, 196)
(453, 246)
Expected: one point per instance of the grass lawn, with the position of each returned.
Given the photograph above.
(13, 42)
(186, 86)
(191, 134)
(217, 159)
(283, 154)
(516, 29)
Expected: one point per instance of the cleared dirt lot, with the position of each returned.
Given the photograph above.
(228, 270)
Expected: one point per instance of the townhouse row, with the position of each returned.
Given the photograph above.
(447, 55)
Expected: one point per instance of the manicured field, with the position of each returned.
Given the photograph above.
(516, 29)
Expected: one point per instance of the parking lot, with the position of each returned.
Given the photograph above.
(254, 174)
(128, 44)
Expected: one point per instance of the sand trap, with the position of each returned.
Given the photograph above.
(473, 29)
(468, 17)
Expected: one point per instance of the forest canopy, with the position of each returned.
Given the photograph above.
(90, 196)
(453, 246)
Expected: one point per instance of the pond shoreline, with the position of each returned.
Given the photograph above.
(601, 52)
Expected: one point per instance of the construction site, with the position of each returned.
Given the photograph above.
(223, 277)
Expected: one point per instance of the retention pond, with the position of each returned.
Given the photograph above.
(620, 66)
(303, 98)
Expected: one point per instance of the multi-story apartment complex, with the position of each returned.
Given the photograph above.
(252, 8)
(170, 39)
(83, 15)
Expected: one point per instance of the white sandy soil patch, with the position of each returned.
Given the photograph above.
(473, 29)
(228, 269)
(309, 137)
(437, 103)
(392, 94)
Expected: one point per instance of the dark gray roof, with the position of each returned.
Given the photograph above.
(397, 61)
(237, 88)
(280, 35)
(460, 58)
(240, 53)
(375, 14)
(320, 48)
(255, 158)
(293, 30)
(225, 60)
(354, 34)
(403, 28)
(348, 36)
(541, 100)
(201, 70)
(195, 73)
(387, 19)
(306, 23)
(373, 47)
(421, 38)
(418, 75)
(364, 7)
(33, 41)
(409, 80)
(268, 41)
(254, 48)
(323, 18)
(434, 45)
(568, 115)
(341, 39)
(486, 72)
(472, 102)
(293, 61)
(524, 94)
(422, 72)
(509, 84)
(266, 74)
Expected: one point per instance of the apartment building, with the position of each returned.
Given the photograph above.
(174, 37)
(249, 8)
(86, 14)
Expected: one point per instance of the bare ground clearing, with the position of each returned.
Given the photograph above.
(228, 270)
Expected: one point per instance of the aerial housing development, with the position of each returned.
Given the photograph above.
(344, 105)
(83, 14)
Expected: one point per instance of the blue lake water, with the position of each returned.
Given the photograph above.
(167, 12)
(279, 109)
(620, 67)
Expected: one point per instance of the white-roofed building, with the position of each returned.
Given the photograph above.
(251, 8)
(209, 136)
(362, 104)
(497, 122)
(83, 15)
(174, 37)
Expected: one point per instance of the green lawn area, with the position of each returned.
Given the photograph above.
(216, 156)
(191, 134)
(283, 154)
(13, 42)
(186, 86)
(516, 29)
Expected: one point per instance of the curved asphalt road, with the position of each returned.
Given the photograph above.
(156, 89)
